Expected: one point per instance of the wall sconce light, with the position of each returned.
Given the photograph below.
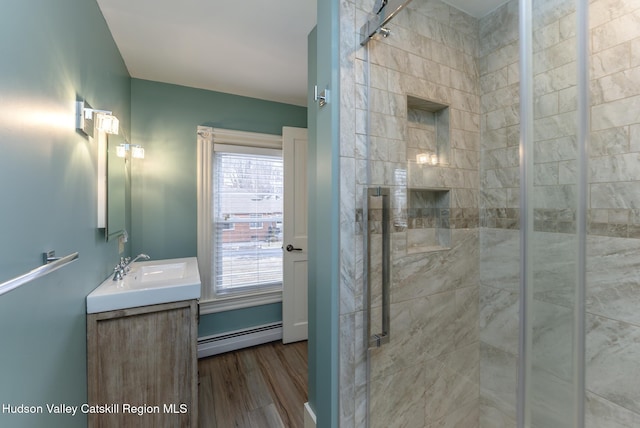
(137, 151)
(104, 119)
(427, 158)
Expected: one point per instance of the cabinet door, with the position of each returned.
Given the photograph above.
(144, 365)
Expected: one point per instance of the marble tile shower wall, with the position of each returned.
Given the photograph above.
(613, 329)
(614, 83)
(613, 293)
(428, 375)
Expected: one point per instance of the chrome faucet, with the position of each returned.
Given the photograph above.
(128, 261)
(117, 273)
(124, 266)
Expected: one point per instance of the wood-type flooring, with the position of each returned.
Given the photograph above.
(264, 386)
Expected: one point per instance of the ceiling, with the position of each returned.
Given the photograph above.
(251, 48)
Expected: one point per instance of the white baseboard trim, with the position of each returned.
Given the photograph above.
(309, 416)
(238, 339)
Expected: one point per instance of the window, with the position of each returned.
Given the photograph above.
(247, 186)
(256, 225)
(240, 207)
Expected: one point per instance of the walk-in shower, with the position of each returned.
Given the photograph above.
(490, 215)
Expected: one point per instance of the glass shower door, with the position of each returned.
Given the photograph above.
(416, 167)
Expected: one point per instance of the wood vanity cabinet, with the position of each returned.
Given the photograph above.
(142, 366)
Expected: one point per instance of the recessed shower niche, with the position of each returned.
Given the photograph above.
(428, 198)
(428, 220)
(428, 140)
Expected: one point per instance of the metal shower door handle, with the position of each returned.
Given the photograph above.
(378, 339)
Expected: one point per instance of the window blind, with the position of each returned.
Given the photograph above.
(247, 211)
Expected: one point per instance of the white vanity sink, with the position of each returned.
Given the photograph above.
(148, 283)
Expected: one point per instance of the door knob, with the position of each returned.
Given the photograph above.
(292, 248)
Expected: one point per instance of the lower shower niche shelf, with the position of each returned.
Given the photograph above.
(428, 220)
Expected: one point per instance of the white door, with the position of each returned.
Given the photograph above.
(294, 287)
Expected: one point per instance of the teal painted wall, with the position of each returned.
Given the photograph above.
(222, 322)
(324, 248)
(51, 51)
(164, 205)
(312, 232)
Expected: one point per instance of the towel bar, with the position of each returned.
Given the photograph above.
(43, 270)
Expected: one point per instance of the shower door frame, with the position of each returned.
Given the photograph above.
(527, 97)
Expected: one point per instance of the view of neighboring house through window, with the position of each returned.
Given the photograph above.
(247, 216)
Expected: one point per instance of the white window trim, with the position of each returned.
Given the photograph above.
(222, 304)
(207, 138)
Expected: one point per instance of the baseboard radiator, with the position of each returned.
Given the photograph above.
(238, 339)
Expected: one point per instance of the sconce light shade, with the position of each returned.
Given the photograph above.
(106, 121)
(137, 152)
(121, 150)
